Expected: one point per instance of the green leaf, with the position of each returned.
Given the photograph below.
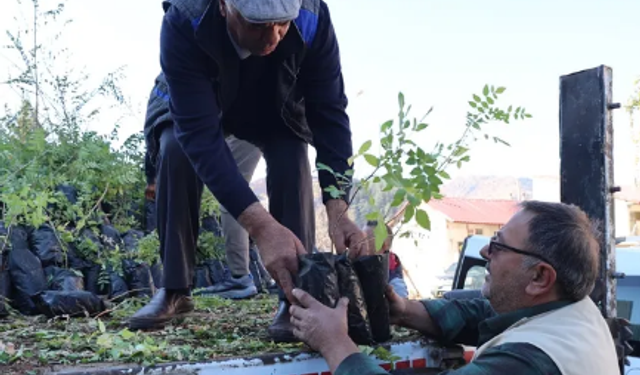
(500, 90)
(398, 197)
(408, 214)
(386, 126)
(401, 100)
(372, 160)
(444, 174)
(415, 201)
(485, 90)
(423, 219)
(372, 216)
(477, 98)
(381, 234)
(421, 126)
(490, 101)
(473, 104)
(324, 167)
(101, 326)
(365, 147)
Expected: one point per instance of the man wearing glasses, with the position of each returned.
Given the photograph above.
(536, 317)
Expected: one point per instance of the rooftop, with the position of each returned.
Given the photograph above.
(476, 211)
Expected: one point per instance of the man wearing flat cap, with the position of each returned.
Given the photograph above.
(266, 73)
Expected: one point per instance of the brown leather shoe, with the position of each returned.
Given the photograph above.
(281, 329)
(162, 308)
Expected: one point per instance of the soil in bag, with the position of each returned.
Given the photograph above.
(77, 303)
(373, 272)
(349, 286)
(318, 277)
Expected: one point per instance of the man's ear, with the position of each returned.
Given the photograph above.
(543, 280)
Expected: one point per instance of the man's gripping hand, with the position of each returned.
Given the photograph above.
(278, 246)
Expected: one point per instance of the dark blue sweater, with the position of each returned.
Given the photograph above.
(195, 110)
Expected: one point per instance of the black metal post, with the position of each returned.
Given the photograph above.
(586, 162)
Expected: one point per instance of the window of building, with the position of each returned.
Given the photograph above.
(479, 231)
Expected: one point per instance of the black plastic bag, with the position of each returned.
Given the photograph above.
(373, 272)
(131, 239)
(210, 224)
(5, 291)
(201, 277)
(349, 286)
(5, 245)
(218, 271)
(28, 279)
(63, 279)
(19, 237)
(44, 243)
(118, 288)
(74, 260)
(149, 216)
(317, 276)
(110, 237)
(96, 280)
(77, 303)
(157, 274)
(138, 278)
(70, 192)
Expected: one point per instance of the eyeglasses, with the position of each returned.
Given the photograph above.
(496, 246)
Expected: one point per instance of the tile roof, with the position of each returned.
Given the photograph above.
(476, 211)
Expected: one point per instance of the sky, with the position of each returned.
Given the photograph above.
(438, 53)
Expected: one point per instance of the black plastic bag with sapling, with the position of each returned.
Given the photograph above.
(218, 272)
(373, 272)
(317, 276)
(349, 286)
(74, 304)
(63, 279)
(118, 289)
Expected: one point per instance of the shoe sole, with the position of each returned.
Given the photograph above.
(232, 294)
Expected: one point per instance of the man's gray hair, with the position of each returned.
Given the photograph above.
(564, 235)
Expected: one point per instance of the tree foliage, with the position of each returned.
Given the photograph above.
(411, 174)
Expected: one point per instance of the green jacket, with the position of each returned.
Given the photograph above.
(473, 322)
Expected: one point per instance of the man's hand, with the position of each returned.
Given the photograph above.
(278, 246)
(150, 192)
(344, 233)
(397, 306)
(323, 328)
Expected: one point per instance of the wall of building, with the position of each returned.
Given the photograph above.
(459, 231)
(425, 254)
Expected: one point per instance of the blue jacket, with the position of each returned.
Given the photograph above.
(199, 72)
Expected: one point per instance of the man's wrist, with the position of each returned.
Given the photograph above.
(335, 208)
(255, 219)
(338, 351)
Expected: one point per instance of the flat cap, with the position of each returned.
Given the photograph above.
(263, 11)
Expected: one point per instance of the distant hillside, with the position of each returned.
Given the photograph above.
(489, 187)
(479, 187)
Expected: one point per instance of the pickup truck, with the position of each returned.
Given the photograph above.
(627, 290)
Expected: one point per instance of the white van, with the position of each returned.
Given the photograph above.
(627, 292)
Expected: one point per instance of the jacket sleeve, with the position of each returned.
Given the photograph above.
(195, 112)
(326, 102)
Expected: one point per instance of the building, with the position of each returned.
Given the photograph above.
(427, 254)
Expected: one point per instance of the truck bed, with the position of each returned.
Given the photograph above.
(219, 337)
